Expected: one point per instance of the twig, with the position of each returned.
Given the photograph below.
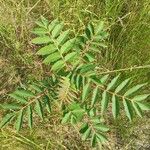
(125, 69)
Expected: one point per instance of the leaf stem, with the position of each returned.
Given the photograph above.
(125, 69)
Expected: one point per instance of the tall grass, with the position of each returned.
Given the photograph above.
(128, 22)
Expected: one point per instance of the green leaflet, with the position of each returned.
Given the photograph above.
(11, 106)
(92, 112)
(101, 127)
(39, 31)
(78, 113)
(94, 96)
(104, 102)
(19, 120)
(90, 57)
(104, 78)
(47, 103)
(87, 68)
(39, 23)
(93, 140)
(101, 137)
(74, 106)
(115, 106)
(137, 109)
(91, 28)
(144, 106)
(57, 29)
(85, 91)
(47, 50)
(30, 119)
(78, 81)
(42, 40)
(36, 87)
(52, 58)
(100, 27)
(6, 119)
(73, 119)
(86, 134)
(63, 37)
(70, 56)
(83, 127)
(52, 25)
(19, 98)
(44, 21)
(39, 109)
(67, 46)
(24, 93)
(58, 65)
(134, 89)
(112, 83)
(128, 109)
(140, 97)
(66, 118)
(88, 33)
(122, 85)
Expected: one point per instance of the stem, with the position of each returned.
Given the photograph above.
(125, 69)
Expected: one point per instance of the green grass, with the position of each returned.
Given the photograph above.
(128, 22)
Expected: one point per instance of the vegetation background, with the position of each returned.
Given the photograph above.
(127, 21)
